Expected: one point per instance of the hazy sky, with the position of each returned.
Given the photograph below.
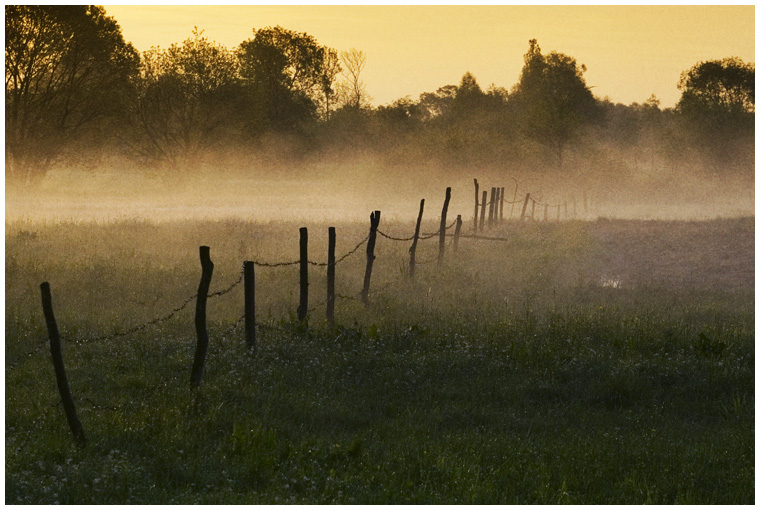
(631, 52)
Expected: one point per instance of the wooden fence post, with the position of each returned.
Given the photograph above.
(525, 207)
(374, 221)
(442, 233)
(303, 302)
(249, 306)
(330, 308)
(514, 199)
(491, 205)
(207, 268)
(457, 231)
(475, 218)
(483, 210)
(60, 371)
(501, 206)
(413, 248)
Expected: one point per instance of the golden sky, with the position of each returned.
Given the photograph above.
(631, 52)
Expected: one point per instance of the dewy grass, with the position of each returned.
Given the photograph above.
(511, 374)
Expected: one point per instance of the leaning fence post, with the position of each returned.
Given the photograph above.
(249, 306)
(60, 371)
(475, 218)
(303, 302)
(525, 206)
(330, 308)
(483, 210)
(413, 248)
(442, 234)
(207, 268)
(457, 230)
(374, 221)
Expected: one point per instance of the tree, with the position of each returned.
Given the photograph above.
(553, 99)
(353, 90)
(287, 74)
(184, 100)
(726, 86)
(717, 109)
(66, 69)
(330, 71)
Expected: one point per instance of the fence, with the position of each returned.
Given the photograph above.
(247, 277)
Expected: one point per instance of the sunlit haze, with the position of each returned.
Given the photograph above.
(631, 52)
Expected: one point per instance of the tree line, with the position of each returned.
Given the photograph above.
(75, 89)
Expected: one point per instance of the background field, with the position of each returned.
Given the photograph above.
(609, 361)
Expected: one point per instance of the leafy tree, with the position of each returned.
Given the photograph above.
(184, 100)
(726, 85)
(717, 106)
(287, 74)
(66, 69)
(553, 99)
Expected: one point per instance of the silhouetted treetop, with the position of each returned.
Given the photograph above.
(66, 67)
(727, 85)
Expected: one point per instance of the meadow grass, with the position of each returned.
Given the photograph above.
(580, 362)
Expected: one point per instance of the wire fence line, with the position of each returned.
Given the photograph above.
(420, 237)
(168, 316)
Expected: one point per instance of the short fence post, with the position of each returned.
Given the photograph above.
(330, 307)
(442, 233)
(303, 302)
(546, 212)
(475, 218)
(456, 232)
(413, 248)
(491, 205)
(525, 207)
(207, 268)
(374, 221)
(514, 200)
(249, 307)
(483, 210)
(60, 371)
(501, 206)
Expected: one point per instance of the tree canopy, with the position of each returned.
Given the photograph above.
(66, 67)
(553, 98)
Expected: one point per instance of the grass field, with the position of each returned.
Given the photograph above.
(578, 362)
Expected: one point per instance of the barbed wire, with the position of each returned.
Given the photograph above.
(484, 238)
(344, 257)
(225, 291)
(394, 238)
(276, 264)
(420, 237)
(27, 355)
